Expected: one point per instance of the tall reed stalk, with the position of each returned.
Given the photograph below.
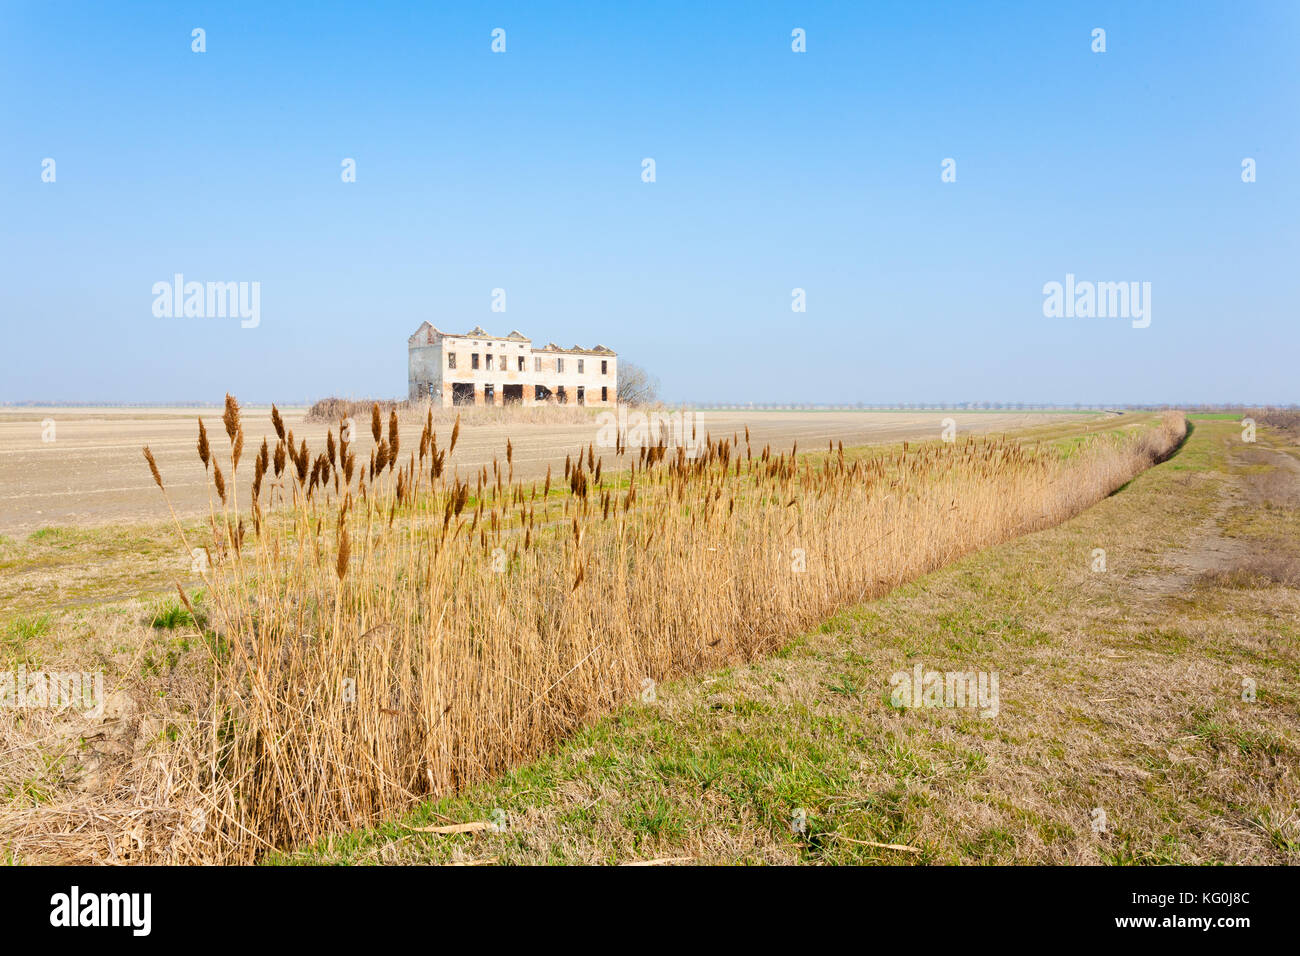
(386, 629)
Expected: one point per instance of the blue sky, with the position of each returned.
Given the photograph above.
(774, 170)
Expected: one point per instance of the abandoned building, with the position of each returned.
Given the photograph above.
(480, 369)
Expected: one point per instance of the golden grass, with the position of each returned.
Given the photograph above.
(1116, 695)
(383, 630)
(379, 630)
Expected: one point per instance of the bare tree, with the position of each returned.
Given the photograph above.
(636, 386)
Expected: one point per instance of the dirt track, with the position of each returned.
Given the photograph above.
(93, 472)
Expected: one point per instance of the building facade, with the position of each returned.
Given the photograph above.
(480, 369)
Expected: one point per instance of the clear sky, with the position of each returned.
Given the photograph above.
(775, 170)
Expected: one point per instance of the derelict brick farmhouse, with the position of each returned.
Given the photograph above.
(481, 369)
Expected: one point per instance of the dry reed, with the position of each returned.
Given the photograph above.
(404, 631)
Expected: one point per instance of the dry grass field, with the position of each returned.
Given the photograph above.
(1149, 713)
(81, 523)
(363, 635)
(90, 476)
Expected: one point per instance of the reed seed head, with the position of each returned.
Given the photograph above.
(231, 417)
(153, 467)
(219, 480)
(345, 552)
(205, 452)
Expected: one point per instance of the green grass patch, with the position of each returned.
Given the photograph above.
(29, 628)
